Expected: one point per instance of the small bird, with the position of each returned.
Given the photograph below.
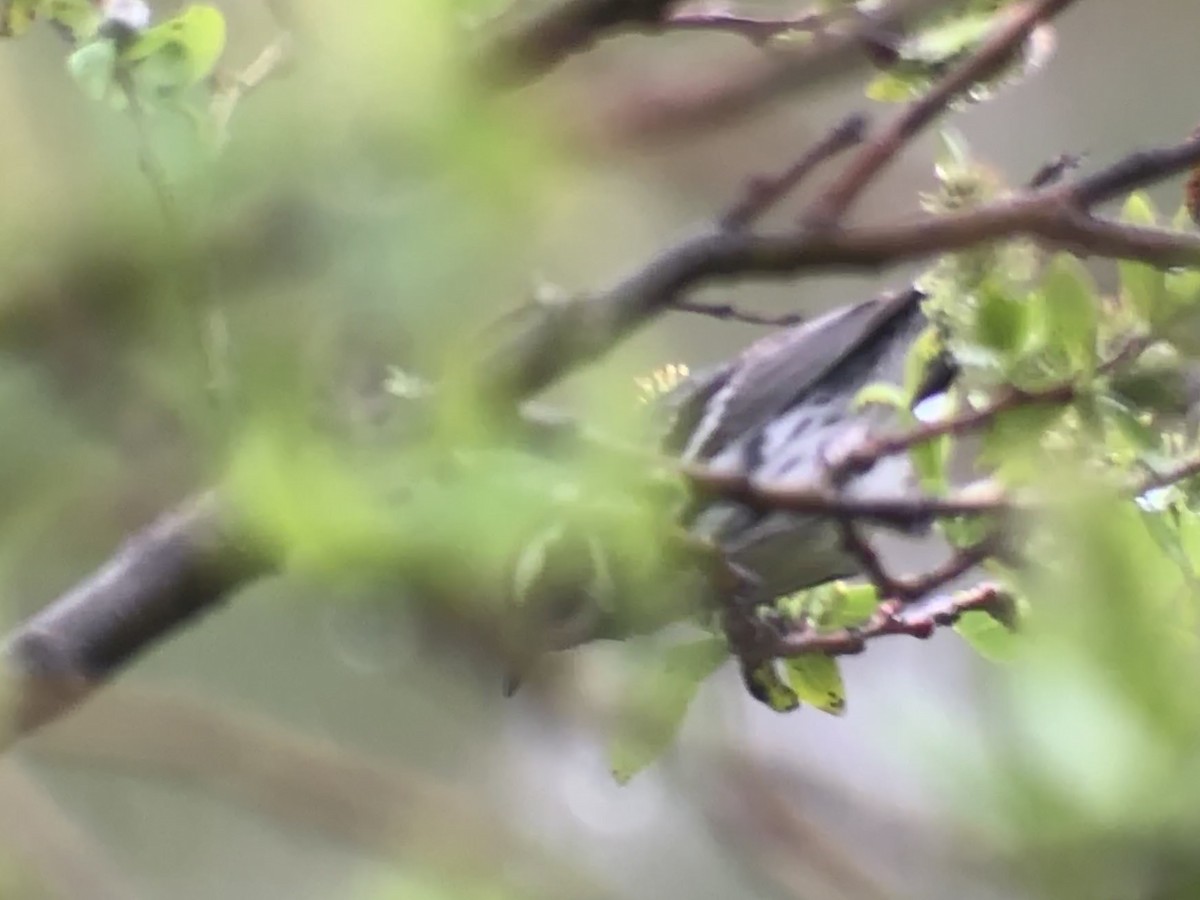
(775, 412)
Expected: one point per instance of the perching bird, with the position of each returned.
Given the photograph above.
(777, 412)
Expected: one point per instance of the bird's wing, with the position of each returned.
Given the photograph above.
(774, 372)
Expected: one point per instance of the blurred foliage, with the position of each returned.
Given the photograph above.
(376, 208)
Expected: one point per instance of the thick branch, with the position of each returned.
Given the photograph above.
(175, 570)
(550, 341)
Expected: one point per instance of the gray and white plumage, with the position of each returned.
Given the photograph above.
(777, 413)
(774, 412)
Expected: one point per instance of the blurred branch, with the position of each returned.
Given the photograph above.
(271, 62)
(726, 99)
(178, 568)
(297, 780)
(538, 45)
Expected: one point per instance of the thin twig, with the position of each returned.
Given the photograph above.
(729, 313)
(808, 638)
(727, 98)
(765, 191)
(835, 202)
(548, 344)
(756, 30)
(272, 61)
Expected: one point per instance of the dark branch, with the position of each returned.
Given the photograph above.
(178, 568)
(538, 45)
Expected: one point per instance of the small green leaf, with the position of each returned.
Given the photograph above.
(891, 87)
(659, 702)
(1143, 286)
(1002, 322)
(1070, 310)
(881, 393)
(849, 604)
(81, 17)
(989, 638)
(817, 681)
(771, 685)
(181, 51)
(16, 16)
(93, 67)
(929, 459)
(924, 351)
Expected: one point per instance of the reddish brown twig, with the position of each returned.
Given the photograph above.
(808, 638)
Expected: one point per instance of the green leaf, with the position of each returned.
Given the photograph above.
(929, 459)
(849, 604)
(989, 638)
(81, 17)
(1143, 286)
(93, 66)
(1070, 310)
(891, 87)
(921, 354)
(881, 393)
(817, 681)
(181, 51)
(955, 35)
(1180, 325)
(659, 703)
(1002, 322)
(774, 687)
(16, 16)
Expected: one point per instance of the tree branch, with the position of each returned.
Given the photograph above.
(992, 55)
(540, 44)
(549, 342)
(937, 612)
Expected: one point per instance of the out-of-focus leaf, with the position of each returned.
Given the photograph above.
(881, 393)
(773, 687)
(659, 701)
(930, 459)
(988, 637)
(180, 51)
(17, 15)
(1181, 326)
(1143, 286)
(849, 604)
(81, 17)
(1002, 322)
(1071, 309)
(924, 351)
(817, 681)
(93, 67)
(890, 87)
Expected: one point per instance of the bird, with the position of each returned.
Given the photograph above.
(775, 412)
